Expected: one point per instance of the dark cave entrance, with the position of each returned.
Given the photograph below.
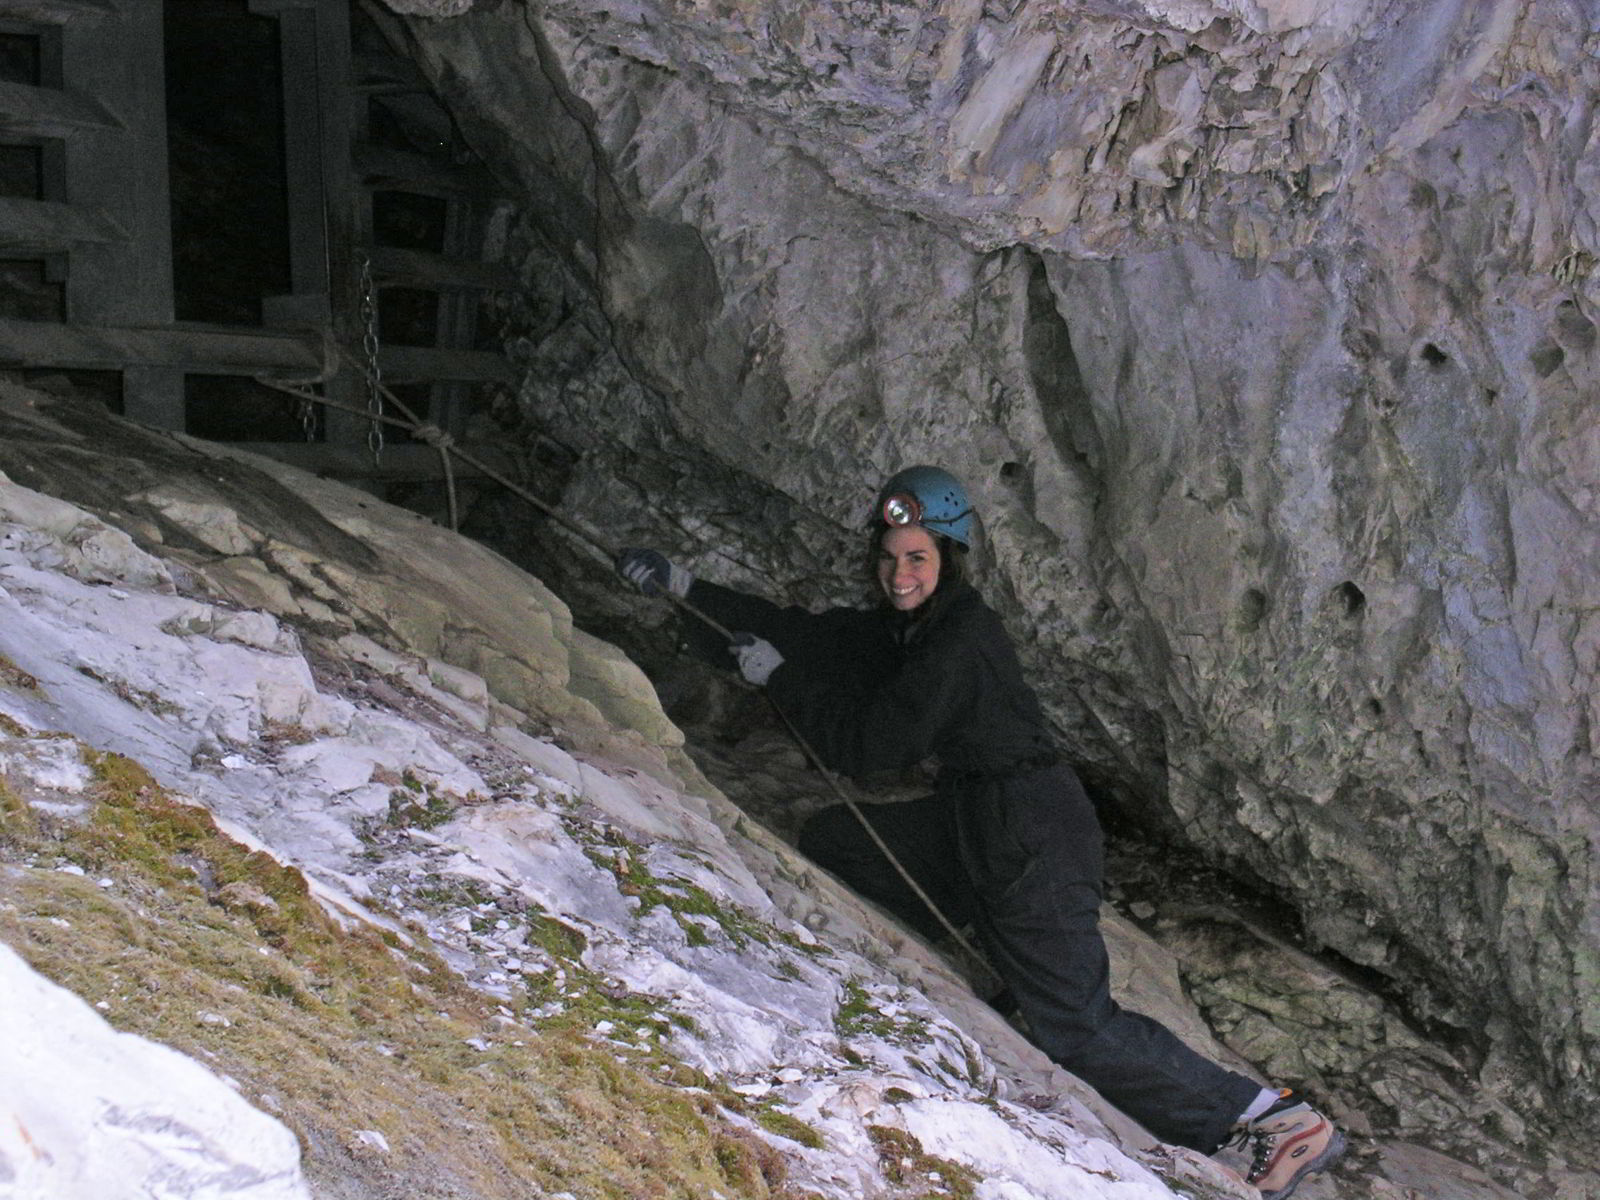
(30, 171)
(225, 159)
(382, 244)
(230, 203)
(199, 194)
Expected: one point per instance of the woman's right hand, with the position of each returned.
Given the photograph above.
(757, 658)
(652, 572)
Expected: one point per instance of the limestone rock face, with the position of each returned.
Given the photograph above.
(455, 947)
(1263, 334)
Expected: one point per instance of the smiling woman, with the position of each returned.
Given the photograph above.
(908, 566)
(1008, 843)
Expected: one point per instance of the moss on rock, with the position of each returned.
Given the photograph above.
(339, 1030)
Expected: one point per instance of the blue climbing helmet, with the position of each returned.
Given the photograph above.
(930, 497)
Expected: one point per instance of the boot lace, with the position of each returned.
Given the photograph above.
(1259, 1144)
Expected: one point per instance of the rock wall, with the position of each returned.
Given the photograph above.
(1262, 332)
(341, 804)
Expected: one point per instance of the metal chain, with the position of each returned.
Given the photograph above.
(308, 419)
(374, 375)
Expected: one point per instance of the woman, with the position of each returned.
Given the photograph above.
(1008, 842)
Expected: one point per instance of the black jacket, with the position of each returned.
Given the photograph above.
(875, 690)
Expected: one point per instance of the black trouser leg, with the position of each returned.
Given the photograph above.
(922, 836)
(1033, 850)
(1023, 862)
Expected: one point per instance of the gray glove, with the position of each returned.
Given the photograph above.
(758, 658)
(651, 571)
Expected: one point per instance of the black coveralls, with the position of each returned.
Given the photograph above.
(1008, 841)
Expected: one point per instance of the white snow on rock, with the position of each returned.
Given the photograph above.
(87, 1113)
(391, 794)
(1045, 1159)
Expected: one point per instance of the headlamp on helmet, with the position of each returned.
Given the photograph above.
(930, 497)
(902, 508)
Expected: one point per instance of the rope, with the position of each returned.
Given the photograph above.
(443, 443)
(595, 543)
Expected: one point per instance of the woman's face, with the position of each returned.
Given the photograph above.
(908, 566)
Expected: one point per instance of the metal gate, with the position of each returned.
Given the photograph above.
(385, 224)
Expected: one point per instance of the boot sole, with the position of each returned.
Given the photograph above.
(1331, 1153)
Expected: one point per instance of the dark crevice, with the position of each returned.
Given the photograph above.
(1351, 598)
(230, 216)
(1064, 401)
(1253, 609)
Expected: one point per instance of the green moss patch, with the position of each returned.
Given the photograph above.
(786, 1125)
(626, 860)
(903, 1162)
(858, 1014)
(414, 804)
(13, 676)
(222, 953)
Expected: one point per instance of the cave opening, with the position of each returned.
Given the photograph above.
(197, 196)
(30, 284)
(228, 181)
(225, 131)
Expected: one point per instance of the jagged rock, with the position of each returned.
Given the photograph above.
(1263, 335)
(379, 873)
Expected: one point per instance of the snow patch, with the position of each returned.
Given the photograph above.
(90, 1112)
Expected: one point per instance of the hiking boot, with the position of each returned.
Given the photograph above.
(1286, 1143)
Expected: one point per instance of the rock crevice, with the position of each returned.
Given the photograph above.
(1263, 334)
